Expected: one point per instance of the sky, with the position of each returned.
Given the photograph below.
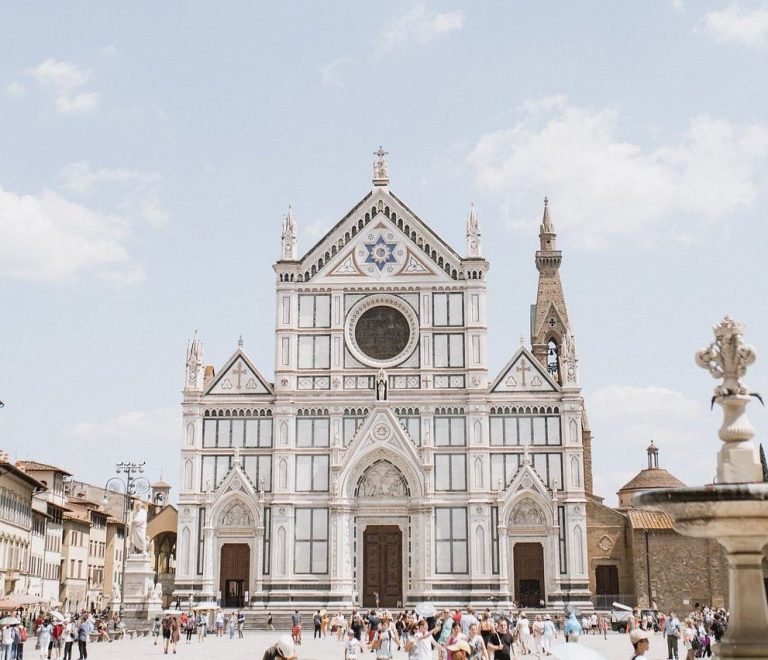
(150, 150)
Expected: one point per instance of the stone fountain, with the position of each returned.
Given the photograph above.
(734, 511)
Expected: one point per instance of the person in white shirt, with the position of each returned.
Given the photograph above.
(640, 643)
(352, 647)
(467, 619)
(523, 630)
(424, 641)
(549, 635)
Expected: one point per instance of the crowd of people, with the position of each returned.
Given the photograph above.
(56, 634)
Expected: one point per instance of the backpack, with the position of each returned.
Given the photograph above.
(23, 634)
(695, 642)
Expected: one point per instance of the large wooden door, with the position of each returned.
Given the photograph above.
(382, 566)
(234, 573)
(606, 580)
(529, 574)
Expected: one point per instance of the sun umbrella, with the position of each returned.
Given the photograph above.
(571, 609)
(575, 652)
(426, 609)
(172, 612)
(55, 614)
(9, 621)
(322, 612)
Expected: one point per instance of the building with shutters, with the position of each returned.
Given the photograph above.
(382, 463)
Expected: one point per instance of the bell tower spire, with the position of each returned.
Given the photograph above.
(288, 248)
(551, 337)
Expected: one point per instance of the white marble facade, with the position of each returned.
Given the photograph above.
(381, 415)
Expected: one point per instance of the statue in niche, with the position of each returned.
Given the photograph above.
(381, 386)
(383, 480)
(527, 514)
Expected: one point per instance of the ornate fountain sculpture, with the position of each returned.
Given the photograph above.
(735, 510)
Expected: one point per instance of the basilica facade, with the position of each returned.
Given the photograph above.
(383, 464)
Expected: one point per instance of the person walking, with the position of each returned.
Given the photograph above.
(523, 631)
(296, 627)
(201, 624)
(425, 641)
(7, 640)
(219, 623)
(156, 627)
(352, 647)
(175, 633)
(83, 630)
(572, 629)
(387, 638)
(240, 624)
(548, 635)
(70, 637)
(43, 637)
(537, 633)
(317, 621)
(166, 634)
(476, 644)
(501, 643)
(672, 633)
(270, 625)
(690, 640)
(189, 628)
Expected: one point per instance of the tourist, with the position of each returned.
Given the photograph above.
(218, 623)
(352, 647)
(54, 647)
(356, 625)
(270, 624)
(340, 625)
(523, 633)
(166, 626)
(502, 642)
(690, 639)
(156, 626)
(537, 632)
(232, 625)
(486, 627)
(476, 644)
(296, 627)
(548, 635)
(240, 624)
(425, 641)
(454, 637)
(467, 619)
(572, 628)
(323, 623)
(201, 624)
(640, 643)
(7, 640)
(83, 630)
(189, 628)
(387, 639)
(446, 625)
(460, 650)
(175, 633)
(373, 624)
(19, 637)
(672, 633)
(70, 637)
(43, 637)
(282, 650)
(317, 621)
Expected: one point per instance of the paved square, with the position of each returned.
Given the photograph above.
(252, 647)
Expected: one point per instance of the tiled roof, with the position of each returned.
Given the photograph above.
(23, 475)
(652, 478)
(640, 519)
(161, 484)
(34, 465)
(80, 516)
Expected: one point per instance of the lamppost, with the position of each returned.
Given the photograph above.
(129, 486)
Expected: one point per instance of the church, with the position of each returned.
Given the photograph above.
(383, 464)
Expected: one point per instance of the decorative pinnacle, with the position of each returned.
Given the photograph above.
(727, 357)
(380, 168)
(546, 223)
(289, 224)
(240, 342)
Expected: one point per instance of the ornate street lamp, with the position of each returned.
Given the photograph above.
(129, 486)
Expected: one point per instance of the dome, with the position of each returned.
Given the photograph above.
(652, 478)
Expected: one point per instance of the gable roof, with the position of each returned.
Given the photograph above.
(10, 468)
(424, 241)
(28, 466)
(232, 381)
(524, 373)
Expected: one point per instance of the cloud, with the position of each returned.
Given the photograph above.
(420, 25)
(47, 237)
(608, 186)
(630, 417)
(80, 103)
(736, 24)
(143, 189)
(64, 79)
(136, 435)
(332, 73)
(15, 89)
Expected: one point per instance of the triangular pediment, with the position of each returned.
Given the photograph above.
(552, 321)
(239, 376)
(236, 481)
(527, 479)
(524, 373)
(379, 239)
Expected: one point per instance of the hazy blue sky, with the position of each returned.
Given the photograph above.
(149, 151)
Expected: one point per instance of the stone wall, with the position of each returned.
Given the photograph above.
(608, 543)
(684, 570)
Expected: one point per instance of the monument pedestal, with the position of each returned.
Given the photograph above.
(141, 601)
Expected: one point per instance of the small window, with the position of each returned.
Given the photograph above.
(314, 351)
(448, 350)
(315, 311)
(448, 309)
(450, 472)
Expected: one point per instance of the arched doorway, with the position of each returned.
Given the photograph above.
(529, 574)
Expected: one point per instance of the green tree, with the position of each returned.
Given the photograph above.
(763, 462)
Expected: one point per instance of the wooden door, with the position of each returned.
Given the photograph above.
(529, 574)
(234, 573)
(606, 580)
(382, 566)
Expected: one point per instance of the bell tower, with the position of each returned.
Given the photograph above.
(550, 328)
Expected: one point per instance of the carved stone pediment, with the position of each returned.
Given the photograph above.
(382, 479)
(236, 515)
(527, 514)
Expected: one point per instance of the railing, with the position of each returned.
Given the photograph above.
(605, 601)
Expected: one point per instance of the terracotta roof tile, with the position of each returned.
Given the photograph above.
(640, 519)
(652, 478)
(35, 465)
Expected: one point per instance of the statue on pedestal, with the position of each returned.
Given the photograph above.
(139, 542)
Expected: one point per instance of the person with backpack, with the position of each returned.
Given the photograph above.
(640, 643)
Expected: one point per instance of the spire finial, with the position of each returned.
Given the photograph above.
(380, 168)
(288, 236)
(240, 342)
(473, 232)
(546, 223)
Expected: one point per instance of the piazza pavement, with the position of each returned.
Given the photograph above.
(255, 642)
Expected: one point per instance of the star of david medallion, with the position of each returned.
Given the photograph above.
(380, 253)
